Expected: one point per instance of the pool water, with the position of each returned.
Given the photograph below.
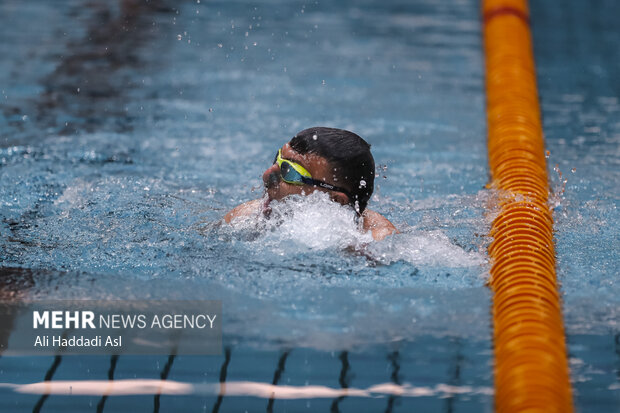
(129, 129)
(578, 72)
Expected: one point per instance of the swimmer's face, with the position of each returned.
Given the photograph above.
(318, 167)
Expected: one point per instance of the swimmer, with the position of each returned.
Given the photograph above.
(331, 160)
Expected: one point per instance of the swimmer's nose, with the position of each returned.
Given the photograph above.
(271, 177)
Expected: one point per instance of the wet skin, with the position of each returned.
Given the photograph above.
(320, 169)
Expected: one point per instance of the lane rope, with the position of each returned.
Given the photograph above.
(531, 367)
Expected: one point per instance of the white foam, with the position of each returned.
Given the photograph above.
(428, 248)
(314, 222)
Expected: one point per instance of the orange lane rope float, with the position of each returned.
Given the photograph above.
(531, 367)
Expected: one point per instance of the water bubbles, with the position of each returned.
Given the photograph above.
(428, 248)
(382, 168)
(301, 223)
(563, 181)
(323, 82)
(362, 184)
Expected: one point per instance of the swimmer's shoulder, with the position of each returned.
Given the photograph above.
(378, 225)
(244, 210)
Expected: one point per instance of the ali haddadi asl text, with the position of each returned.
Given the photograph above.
(78, 341)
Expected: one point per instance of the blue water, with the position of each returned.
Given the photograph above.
(578, 72)
(127, 131)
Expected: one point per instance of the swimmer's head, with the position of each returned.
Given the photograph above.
(334, 158)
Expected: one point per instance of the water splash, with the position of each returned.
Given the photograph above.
(315, 223)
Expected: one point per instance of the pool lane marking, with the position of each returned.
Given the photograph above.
(531, 364)
(48, 379)
(222, 383)
(111, 370)
(135, 387)
(277, 375)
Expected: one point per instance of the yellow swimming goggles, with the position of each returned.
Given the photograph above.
(293, 173)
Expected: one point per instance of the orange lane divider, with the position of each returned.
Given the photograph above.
(531, 367)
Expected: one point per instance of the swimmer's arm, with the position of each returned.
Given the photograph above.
(379, 226)
(243, 210)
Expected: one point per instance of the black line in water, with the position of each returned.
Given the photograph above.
(394, 358)
(344, 380)
(167, 367)
(617, 349)
(276, 377)
(163, 376)
(53, 367)
(48, 377)
(90, 83)
(390, 406)
(113, 361)
(50, 373)
(455, 380)
(223, 372)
